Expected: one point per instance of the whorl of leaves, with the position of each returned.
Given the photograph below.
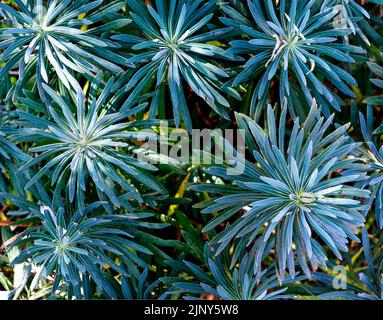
(95, 145)
(77, 247)
(172, 48)
(297, 43)
(299, 196)
(44, 40)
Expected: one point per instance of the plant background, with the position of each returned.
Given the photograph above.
(148, 239)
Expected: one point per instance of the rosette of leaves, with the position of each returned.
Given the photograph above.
(172, 49)
(226, 283)
(63, 38)
(77, 246)
(374, 158)
(297, 197)
(87, 147)
(297, 44)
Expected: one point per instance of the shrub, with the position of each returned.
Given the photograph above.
(106, 191)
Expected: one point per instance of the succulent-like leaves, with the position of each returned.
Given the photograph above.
(373, 282)
(96, 145)
(377, 71)
(8, 154)
(297, 197)
(238, 283)
(77, 246)
(171, 48)
(58, 37)
(138, 288)
(79, 209)
(352, 15)
(374, 158)
(366, 285)
(297, 43)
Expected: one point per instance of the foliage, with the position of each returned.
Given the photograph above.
(76, 246)
(42, 39)
(298, 44)
(378, 71)
(238, 283)
(171, 45)
(92, 146)
(8, 150)
(374, 156)
(295, 191)
(90, 210)
(353, 16)
(362, 286)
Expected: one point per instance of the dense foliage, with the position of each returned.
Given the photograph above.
(91, 208)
